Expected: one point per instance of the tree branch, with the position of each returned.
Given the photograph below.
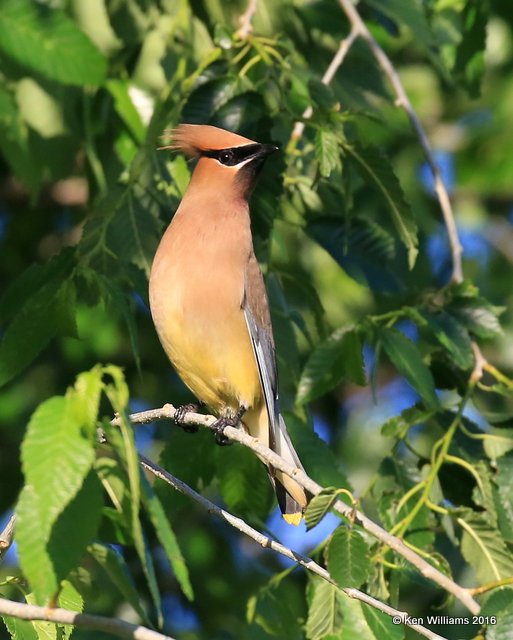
(266, 542)
(116, 627)
(245, 20)
(328, 76)
(403, 101)
(394, 543)
(6, 536)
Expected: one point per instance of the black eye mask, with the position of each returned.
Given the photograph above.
(234, 155)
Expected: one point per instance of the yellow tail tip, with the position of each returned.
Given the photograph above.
(293, 518)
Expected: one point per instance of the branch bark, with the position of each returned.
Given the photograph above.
(328, 76)
(266, 542)
(403, 101)
(116, 627)
(6, 537)
(394, 543)
(245, 21)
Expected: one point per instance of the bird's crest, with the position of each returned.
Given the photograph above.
(193, 139)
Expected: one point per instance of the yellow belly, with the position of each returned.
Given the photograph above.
(209, 346)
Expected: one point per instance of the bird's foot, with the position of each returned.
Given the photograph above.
(226, 421)
(181, 413)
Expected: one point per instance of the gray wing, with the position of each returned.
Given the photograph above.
(258, 319)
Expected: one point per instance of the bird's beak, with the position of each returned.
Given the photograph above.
(266, 150)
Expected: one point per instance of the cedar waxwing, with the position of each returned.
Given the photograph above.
(208, 297)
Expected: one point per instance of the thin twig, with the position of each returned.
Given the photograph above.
(479, 364)
(266, 542)
(113, 626)
(264, 453)
(6, 536)
(245, 21)
(403, 101)
(328, 76)
(491, 586)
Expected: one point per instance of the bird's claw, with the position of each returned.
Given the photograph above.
(180, 414)
(226, 421)
(218, 429)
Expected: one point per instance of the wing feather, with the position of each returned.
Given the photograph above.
(258, 320)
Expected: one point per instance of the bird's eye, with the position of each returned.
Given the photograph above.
(226, 156)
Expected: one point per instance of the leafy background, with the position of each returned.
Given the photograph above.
(374, 341)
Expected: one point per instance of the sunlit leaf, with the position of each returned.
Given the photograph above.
(46, 41)
(327, 152)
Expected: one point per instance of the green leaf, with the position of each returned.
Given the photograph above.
(396, 476)
(120, 303)
(325, 615)
(14, 142)
(411, 15)
(70, 599)
(40, 110)
(478, 316)
(381, 624)
(320, 460)
(405, 356)
(322, 94)
(377, 168)
(47, 313)
(484, 549)
(327, 152)
(195, 465)
(363, 248)
(469, 65)
(498, 600)
(273, 610)
(451, 335)
(64, 429)
(67, 542)
(114, 565)
(504, 496)
(115, 481)
(398, 426)
(46, 41)
(32, 280)
(207, 98)
(123, 442)
(354, 625)
(31, 540)
(166, 536)
(347, 557)
(125, 108)
(499, 604)
(337, 358)
(20, 629)
(134, 231)
(319, 506)
(45, 630)
(243, 482)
